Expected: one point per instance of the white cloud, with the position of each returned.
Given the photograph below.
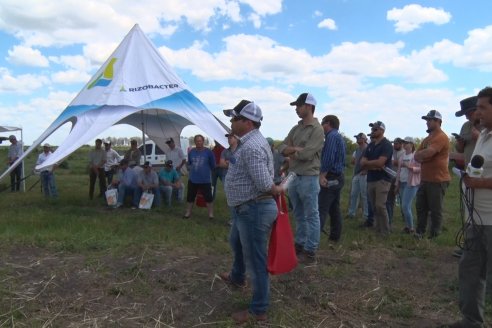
(412, 17)
(328, 23)
(27, 56)
(258, 58)
(22, 84)
(317, 13)
(70, 76)
(256, 20)
(37, 114)
(52, 22)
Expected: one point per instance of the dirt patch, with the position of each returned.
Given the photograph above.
(373, 287)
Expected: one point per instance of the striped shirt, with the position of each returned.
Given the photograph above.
(250, 171)
(333, 154)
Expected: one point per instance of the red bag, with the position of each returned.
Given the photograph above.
(200, 199)
(281, 252)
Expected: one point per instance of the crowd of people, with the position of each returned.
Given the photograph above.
(385, 173)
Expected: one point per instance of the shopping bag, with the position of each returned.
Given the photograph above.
(200, 199)
(146, 201)
(111, 196)
(281, 252)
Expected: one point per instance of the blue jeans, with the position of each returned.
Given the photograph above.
(303, 194)
(251, 226)
(359, 189)
(48, 183)
(407, 194)
(124, 191)
(168, 191)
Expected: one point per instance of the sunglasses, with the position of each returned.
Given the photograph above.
(237, 118)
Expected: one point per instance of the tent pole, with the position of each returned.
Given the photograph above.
(143, 136)
(23, 174)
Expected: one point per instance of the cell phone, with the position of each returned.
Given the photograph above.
(456, 136)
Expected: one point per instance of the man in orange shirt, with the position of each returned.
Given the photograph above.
(433, 155)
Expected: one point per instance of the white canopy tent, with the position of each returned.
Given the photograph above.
(135, 86)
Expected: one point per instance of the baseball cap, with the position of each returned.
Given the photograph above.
(467, 105)
(169, 163)
(169, 141)
(361, 135)
(47, 145)
(409, 140)
(398, 140)
(106, 142)
(304, 98)
(378, 124)
(432, 114)
(12, 137)
(147, 164)
(246, 109)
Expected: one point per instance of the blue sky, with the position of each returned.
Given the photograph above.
(362, 60)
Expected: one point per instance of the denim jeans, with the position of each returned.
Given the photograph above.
(124, 191)
(169, 191)
(251, 226)
(48, 183)
(359, 190)
(303, 194)
(407, 194)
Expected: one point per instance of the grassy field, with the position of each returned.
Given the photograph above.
(75, 263)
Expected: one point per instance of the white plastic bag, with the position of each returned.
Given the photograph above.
(112, 196)
(146, 201)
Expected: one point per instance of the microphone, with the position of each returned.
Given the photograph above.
(475, 167)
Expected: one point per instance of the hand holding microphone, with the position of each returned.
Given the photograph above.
(474, 168)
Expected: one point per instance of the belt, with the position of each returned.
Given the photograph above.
(261, 197)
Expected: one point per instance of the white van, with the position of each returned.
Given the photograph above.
(153, 154)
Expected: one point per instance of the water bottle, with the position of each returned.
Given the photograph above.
(288, 180)
(389, 171)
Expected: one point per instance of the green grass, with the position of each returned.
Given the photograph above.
(142, 244)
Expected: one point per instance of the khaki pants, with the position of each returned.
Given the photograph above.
(377, 193)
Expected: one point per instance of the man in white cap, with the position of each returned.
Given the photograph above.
(47, 176)
(377, 156)
(433, 154)
(249, 190)
(15, 151)
(303, 147)
(112, 161)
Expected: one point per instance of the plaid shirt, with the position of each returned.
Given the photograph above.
(250, 171)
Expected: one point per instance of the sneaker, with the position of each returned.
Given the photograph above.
(418, 236)
(458, 252)
(118, 205)
(226, 277)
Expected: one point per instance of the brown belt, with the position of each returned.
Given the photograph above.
(264, 196)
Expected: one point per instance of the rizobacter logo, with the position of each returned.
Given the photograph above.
(105, 78)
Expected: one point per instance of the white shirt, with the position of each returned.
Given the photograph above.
(176, 155)
(43, 157)
(112, 158)
(483, 197)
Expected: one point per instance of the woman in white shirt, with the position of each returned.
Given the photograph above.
(407, 182)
